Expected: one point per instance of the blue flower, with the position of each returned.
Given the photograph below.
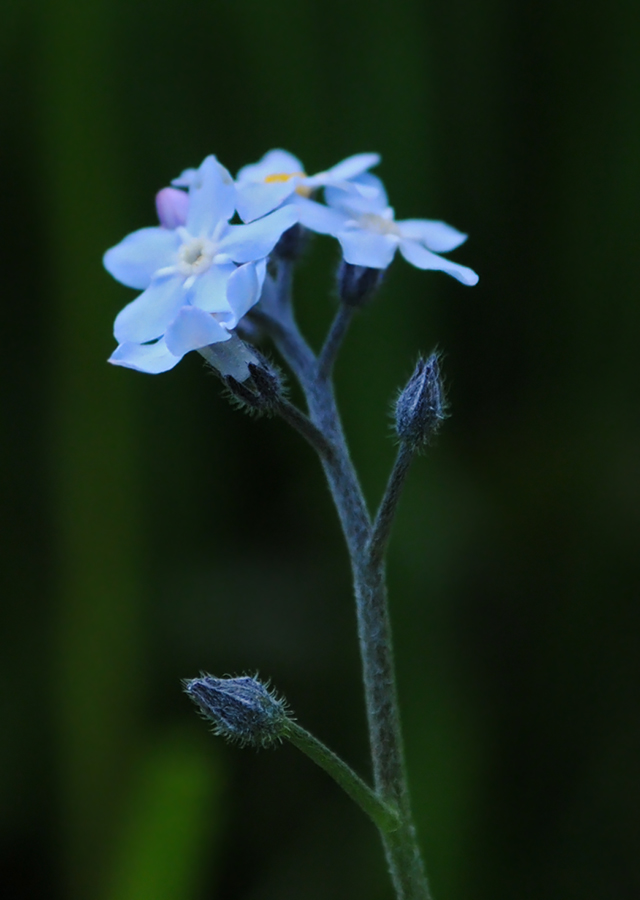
(369, 234)
(279, 177)
(199, 275)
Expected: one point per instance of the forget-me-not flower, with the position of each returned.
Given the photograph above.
(369, 234)
(199, 274)
(279, 177)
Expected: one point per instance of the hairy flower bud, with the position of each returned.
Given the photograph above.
(420, 408)
(241, 709)
(261, 391)
(358, 284)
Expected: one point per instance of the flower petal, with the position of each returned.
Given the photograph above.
(418, 256)
(319, 218)
(246, 243)
(193, 328)
(231, 358)
(186, 178)
(244, 288)
(135, 259)
(372, 200)
(147, 317)
(352, 166)
(365, 248)
(212, 197)
(275, 162)
(256, 199)
(437, 236)
(209, 291)
(151, 358)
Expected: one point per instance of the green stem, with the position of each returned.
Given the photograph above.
(383, 815)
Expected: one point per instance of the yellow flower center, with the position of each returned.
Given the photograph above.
(286, 176)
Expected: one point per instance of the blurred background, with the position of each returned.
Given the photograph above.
(149, 531)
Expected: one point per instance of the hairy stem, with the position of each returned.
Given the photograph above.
(366, 545)
(387, 510)
(334, 339)
(374, 632)
(382, 814)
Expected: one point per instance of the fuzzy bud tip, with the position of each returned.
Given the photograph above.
(421, 406)
(242, 710)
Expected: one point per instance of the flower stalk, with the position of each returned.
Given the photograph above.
(374, 629)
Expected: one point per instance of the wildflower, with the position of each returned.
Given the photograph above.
(279, 177)
(199, 275)
(369, 234)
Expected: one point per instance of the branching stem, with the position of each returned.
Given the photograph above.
(383, 815)
(334, 339)
(366, 544)
(387, 510)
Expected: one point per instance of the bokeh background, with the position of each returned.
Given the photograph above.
(149, 531)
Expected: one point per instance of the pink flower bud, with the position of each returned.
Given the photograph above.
(171, 205)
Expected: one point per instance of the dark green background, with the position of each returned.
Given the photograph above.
(150, 531)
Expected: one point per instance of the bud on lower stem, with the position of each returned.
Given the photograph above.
(420, 408)
(242, 710)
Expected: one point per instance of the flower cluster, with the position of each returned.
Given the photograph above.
(199, 274)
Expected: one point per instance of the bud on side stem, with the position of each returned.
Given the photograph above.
(420, 408)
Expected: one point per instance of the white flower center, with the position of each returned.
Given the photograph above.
(378, 224)
(195, 256)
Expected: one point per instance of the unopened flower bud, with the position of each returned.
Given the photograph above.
(358, 284)
(171, 205)
(420, 408)
(292, 243)
(241, 709)
(263, 388)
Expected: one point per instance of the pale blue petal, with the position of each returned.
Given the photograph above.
(365, 248)
(212, 197)
(135, 259)
(151, 358)
(244, 288)
(437, 236)
(319, 218)
(424, 259)
(275, 162)
(231, 358)
(210, 289)
(147, 317)
(186, 178)
(353, 203)
(246, 243)
(193, 328)
(352, 166)
(256, 199)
